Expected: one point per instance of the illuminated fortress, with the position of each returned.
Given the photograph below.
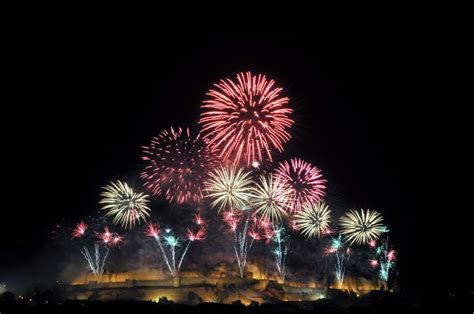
(193, 287)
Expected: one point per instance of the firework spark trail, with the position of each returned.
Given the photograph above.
(361, 227)
(305, 181)
(280, 250)
(177, 165)
(342, 255)
(96, 265)
(125, 205)
(107, 239)
(242, 246)
(246, 231)
(246, 119)
(170, 240)
(385, 258)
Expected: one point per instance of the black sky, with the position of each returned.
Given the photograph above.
(88, 104)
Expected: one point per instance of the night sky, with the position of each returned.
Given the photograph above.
(88, 104)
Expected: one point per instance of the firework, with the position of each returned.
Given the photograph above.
(229, 188)
(125, 205)
(246, 119)
(246, 230)
(280, 249)
(168, 243)
(79, 230)
(198, 220)
(342, 255)
(96, 260)
(177, 165)
(305, 181)
(313, 220)
(361, 227)
(271, 198)
(384, 259)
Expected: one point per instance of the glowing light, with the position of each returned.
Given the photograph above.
(126, 206)
(177, 166)
(305, 181)
(391, 255)
(313, 220)
(374, 263)
(255, 164)
(246, 119)
(229, 188)
(271, 198)
(360, 227)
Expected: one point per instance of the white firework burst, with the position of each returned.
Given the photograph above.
(313, 219)
(126, 206)
(229, 188)
(361, 227)
(271, 198)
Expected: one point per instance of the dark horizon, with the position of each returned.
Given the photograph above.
(99, 105)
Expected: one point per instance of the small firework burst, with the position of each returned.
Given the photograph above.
(362, 226)
(125, 205)
(229, 188)
(313, 220)
(271, 198)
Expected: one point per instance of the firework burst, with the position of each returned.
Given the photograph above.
(125, 205)
(271, 198)
(229, 188)
(313, 220)
(305, 181)
(79, 230)
(246, 119)
(361, 227)
(177, 165)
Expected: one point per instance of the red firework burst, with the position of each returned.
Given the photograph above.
(197, 236)
(109, 238)
(79, 230)
(305, 181)
(177, 164)
(153, 230)
(246, 119)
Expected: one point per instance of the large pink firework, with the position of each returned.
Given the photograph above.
(305, 180)
(246, 119)
(177, 164)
